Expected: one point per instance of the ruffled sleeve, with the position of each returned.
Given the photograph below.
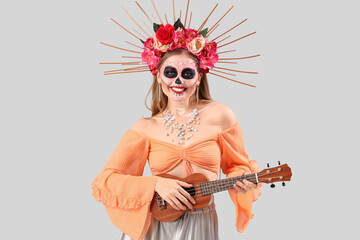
(120, 186)
(235, 162)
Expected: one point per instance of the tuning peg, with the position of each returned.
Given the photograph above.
(268, 165)
(283, 183)
(272, 185)
(279, 162)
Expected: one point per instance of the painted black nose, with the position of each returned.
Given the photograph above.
(178, 81)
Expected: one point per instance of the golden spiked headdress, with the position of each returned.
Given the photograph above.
(169, 37)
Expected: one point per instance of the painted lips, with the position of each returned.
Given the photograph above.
(178, 90)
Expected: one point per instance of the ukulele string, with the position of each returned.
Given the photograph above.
(223, 184)
(197, 188)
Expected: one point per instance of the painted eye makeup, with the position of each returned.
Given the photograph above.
(170, 72)
(188, 73)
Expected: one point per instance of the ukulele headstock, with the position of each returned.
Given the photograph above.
(279, 173)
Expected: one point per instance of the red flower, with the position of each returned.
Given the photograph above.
(205, 70)
(165, 35)
(159, 53)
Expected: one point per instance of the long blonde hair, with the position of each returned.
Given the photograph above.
(158, 106)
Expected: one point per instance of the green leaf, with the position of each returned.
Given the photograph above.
(142, 41)
(203, 32)
(178, 24)
(156, 27)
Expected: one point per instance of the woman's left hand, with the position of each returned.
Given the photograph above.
(243, 187)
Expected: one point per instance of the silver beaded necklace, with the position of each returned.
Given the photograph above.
(170, 123)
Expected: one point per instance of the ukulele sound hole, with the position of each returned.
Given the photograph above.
(190, 190)
(162, 203)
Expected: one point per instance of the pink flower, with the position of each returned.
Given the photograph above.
(149, 44)
(179, 34)
(208, 56)
(196, 45)
(179, 40)
(213, 59)
(150, 59)
(211, 47)
(191, 33)
(209, 61)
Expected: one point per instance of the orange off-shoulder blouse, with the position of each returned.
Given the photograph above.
(127, 195)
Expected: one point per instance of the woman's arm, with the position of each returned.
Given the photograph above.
(235, 162)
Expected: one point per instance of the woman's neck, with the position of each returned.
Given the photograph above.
(181, 108)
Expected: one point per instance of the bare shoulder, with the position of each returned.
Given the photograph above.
(141, 125)
(225, 115)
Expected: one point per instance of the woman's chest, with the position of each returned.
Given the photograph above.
(203, 157)
(179, 171)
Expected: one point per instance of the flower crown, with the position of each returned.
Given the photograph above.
(168, 37)
(164, 38)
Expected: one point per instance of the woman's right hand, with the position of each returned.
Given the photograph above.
(172, 192)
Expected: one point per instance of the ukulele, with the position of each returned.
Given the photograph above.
(203, 188)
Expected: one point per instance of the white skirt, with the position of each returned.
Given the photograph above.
(201, 224)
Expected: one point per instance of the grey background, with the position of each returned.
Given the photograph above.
(61, 118)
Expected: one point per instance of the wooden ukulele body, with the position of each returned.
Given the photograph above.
(203, 188)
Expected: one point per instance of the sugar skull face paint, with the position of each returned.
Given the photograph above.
(179, 77)
(188, 73)
(171, 72)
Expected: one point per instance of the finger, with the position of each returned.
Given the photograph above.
(242, 185)
(172, 204)
(184, 200)
(246, 187)
(184, 184)
(178, 204)
(187, 195)
(250, 184)
(239, 189)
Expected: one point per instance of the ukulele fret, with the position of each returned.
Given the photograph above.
(225, 184)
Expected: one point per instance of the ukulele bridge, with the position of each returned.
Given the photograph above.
(160, 202)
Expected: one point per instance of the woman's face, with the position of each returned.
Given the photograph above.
(179, 77)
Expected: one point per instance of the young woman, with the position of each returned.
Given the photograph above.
(210, 138)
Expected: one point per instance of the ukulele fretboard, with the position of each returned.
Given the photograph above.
(225, 184)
